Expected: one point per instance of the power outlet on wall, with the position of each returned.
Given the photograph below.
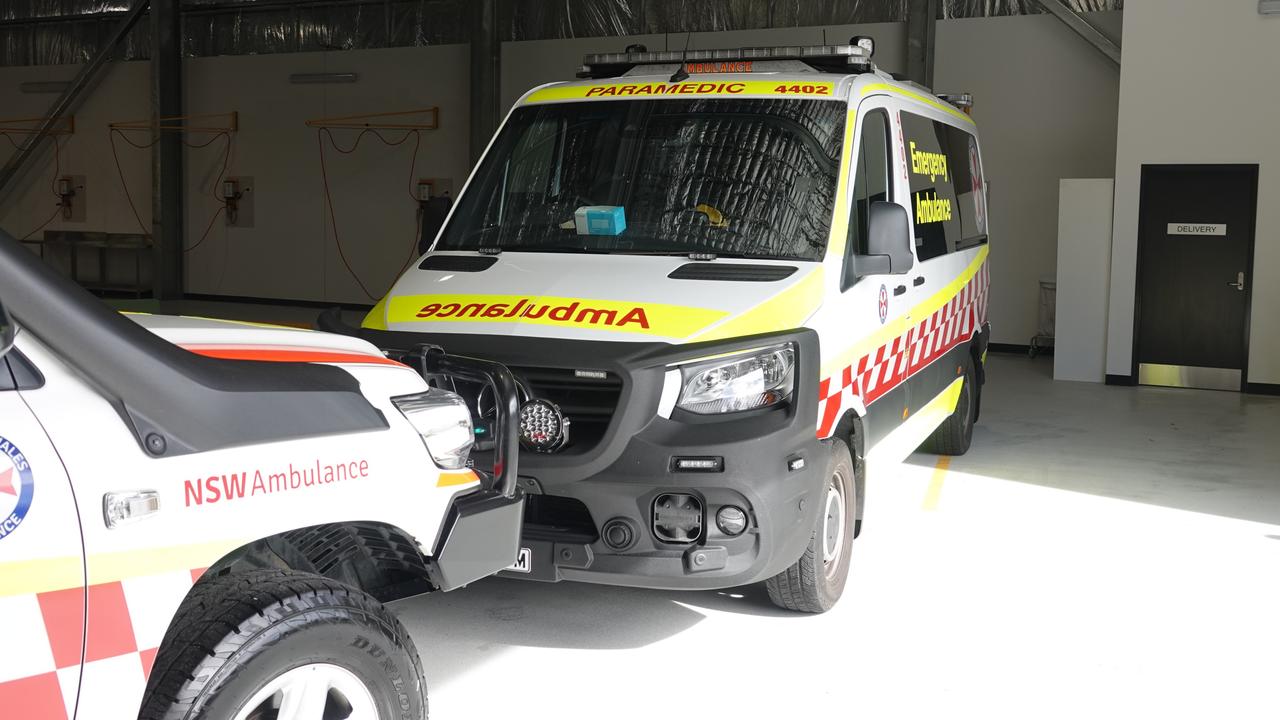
(428, 188)
(237, 195)
(71, 197)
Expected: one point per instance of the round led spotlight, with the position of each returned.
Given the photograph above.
(543, 428)
(731, 520)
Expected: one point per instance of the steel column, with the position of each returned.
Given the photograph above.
(72, 96)
(486, 61)
(167, 227)
(922, 22)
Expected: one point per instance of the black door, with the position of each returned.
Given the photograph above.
(1194, 260)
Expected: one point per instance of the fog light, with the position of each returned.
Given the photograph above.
(543, 428)
(731, 520)
(698, 464)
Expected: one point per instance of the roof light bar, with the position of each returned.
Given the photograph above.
(849, 58)
(856, 55)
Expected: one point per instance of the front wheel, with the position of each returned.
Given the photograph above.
(816, 581)
(284, 645)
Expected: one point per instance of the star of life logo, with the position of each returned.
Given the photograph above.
(17, 488)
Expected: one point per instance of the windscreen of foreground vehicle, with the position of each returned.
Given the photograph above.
(733, 177)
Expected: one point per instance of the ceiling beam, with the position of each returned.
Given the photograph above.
(1083, 28)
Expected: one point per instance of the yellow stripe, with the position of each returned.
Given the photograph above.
(44, 575)
(901, 324)
(26, 577)
(110, 567)
(561, 93)
(675, 321)
(934, 493)
(785, 310)
(377, 317)
(951, 110)
(450, 479)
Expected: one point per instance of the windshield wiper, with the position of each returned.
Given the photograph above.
(557, 248)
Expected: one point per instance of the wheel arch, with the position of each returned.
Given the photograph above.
(379, 558)
(851, 429)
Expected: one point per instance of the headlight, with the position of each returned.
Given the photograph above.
(444, 422)
(743, 381)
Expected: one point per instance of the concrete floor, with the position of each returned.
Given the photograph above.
(1101, 552)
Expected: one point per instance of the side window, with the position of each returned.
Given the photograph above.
(947, 201)
(962, 157)
(872, 182)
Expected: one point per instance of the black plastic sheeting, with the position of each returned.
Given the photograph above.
(54, 32)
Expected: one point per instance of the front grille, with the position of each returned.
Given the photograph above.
(588, 402)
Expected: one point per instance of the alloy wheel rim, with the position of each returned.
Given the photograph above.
(319, 691)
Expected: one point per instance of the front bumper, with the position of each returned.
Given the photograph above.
(781, 505)
(481, 533)
(619, 477)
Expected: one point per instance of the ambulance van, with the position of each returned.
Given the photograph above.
(723, 279)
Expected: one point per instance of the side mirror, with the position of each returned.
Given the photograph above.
(7, 331)
(888, 241)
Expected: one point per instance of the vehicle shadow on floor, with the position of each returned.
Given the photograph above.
(458, 631)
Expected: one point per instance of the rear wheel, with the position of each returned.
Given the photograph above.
(816, 581)
(283, 645)
(955, 434)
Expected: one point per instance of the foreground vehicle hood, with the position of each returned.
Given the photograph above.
(600, 297)
(252, 341)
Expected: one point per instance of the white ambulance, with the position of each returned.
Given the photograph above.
(201, 519)
(733, 276)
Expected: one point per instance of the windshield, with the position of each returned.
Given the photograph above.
(733, 177)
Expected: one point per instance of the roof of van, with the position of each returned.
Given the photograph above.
(656, 82)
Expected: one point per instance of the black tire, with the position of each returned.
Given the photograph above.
(816, 581)
(237, 633)
(955, 434)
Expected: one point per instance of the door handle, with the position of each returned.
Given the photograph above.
(918, 281)
(1239, 283)
(899, 290)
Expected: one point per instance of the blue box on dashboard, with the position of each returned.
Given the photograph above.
(600, 220)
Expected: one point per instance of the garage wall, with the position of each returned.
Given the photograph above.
(1198, 86)
(1045, 103)
(122, 95)
(290, 252)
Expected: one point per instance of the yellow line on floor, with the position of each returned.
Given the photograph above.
(934, 493)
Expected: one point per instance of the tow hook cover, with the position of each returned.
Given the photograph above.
(702, 559)
(677, 518)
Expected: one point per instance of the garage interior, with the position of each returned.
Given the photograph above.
(1103, 550)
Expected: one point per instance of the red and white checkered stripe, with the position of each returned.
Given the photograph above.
(889, 365)
(42, 664)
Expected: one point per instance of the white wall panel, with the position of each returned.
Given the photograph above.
(1084, 262)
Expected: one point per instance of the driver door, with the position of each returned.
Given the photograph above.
(877, 305)
(42, 590)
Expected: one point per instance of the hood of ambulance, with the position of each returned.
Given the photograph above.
(246, 340)
(598, 297)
